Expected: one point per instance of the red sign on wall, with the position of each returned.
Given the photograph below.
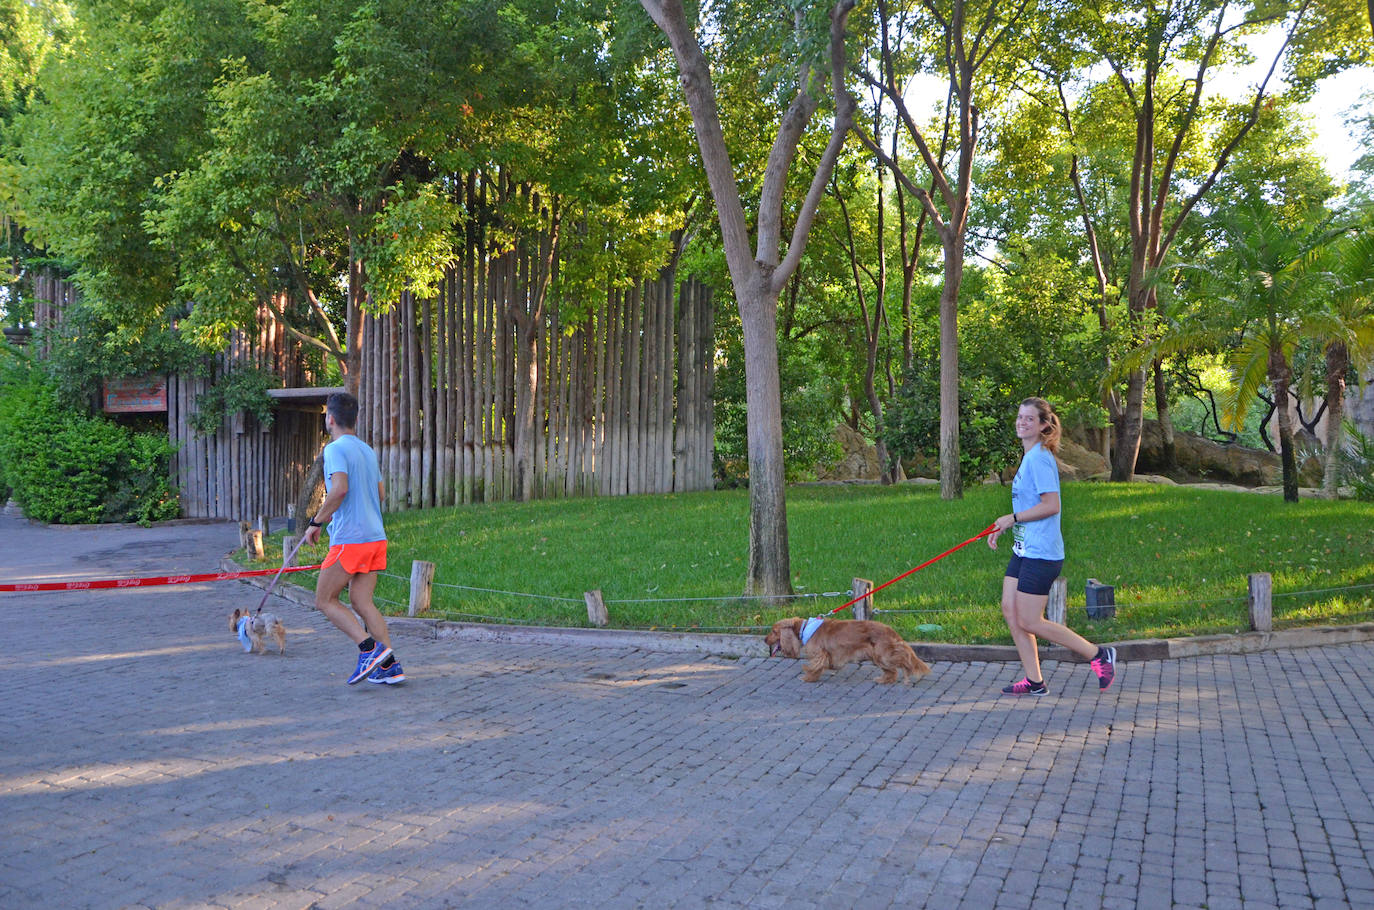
(135, 394)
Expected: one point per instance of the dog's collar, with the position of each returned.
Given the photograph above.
(809, 628)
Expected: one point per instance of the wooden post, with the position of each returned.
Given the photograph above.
(596, 608)
(263, 524)
(1261, 601)
(421, 583)
(255, 545)
(288, 558)
(863, 609)
(1057, 606)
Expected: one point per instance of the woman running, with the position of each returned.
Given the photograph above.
(1037, 553)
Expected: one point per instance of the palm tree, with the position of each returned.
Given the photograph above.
(1259, 296)
(1347, 322)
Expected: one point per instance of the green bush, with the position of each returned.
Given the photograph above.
(986, 441)
(144, 492)
(242, 389)
(810, 412)
(1357, 465)
(66, 467)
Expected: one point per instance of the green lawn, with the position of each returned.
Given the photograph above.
(1178, 558)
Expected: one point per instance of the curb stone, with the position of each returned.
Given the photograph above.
(735, 646)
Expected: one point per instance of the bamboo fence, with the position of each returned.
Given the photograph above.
(621, 399)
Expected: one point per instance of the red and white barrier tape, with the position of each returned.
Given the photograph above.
(144, 582)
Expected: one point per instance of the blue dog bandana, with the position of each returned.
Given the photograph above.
(809, 628)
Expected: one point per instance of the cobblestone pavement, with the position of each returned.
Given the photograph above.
(146, 761)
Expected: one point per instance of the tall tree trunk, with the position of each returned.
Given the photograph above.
(1337, 362)
(1126, 436)
(1144, 241)
(1280, 376)
(889, 468)
(1111, 401)
(755, 270)
(1166, 423)
(873, 322)
(951, 475)
(353, 331)
(770, 564)
(311, 491)
(963, 54)
(526, 387)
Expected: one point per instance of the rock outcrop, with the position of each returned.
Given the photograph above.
(1079, 463)
(859, 461)
(1200, 459)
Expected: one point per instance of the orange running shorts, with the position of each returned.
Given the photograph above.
(357, 558)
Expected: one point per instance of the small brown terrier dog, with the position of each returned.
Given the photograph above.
(841, 641)
(253, 629)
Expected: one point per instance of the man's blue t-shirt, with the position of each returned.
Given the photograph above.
(1038, 473)
(359, 518)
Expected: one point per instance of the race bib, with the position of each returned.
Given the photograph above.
(1018, 539)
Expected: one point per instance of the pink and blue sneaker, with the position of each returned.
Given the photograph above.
(1026, 687)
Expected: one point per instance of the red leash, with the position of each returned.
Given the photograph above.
(990, 528)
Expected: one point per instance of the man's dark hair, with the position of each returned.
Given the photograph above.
(343, 407)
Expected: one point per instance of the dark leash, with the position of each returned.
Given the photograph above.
(286, 561)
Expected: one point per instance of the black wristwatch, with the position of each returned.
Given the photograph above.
(315, 524)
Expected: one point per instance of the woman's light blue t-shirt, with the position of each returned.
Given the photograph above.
(1038, 474)
(359, 518)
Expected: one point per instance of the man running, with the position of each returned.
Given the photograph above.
(352, 508)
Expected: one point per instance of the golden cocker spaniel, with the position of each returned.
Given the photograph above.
(841, 641)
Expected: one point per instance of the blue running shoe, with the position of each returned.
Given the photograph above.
(388, 676)
(367, 662)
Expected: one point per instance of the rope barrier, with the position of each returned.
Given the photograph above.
(1323, 590)
(643, 600)
(505, 620)
(574, 600)
(732, 598)
(743, 597)
(1185, 603)
(662, 628)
